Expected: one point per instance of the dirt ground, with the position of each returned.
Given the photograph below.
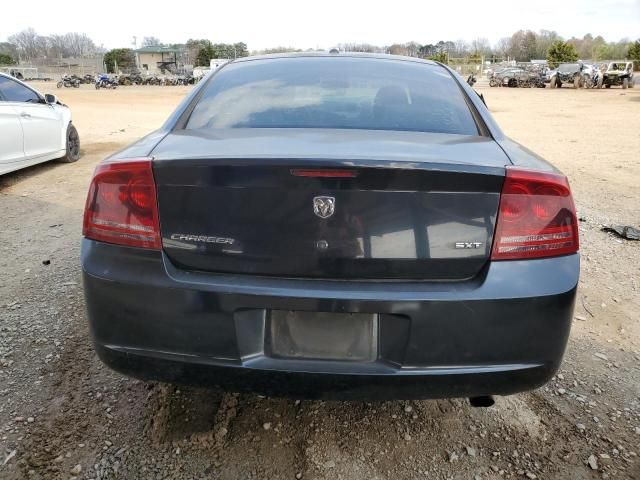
(64, 415)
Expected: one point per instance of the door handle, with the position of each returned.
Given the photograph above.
(25, 115)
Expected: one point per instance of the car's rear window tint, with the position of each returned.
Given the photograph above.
(341, 93)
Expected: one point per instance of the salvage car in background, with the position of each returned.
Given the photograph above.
(618, 74)
(520, 77)
(496, 78)
(576, 74)
(332, 225)
(566, 73)
(512, 77)
(517, 77)
(35, 128)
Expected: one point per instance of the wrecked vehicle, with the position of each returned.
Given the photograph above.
(517, 76)
(568, 73)
(498, 77)
(523, 78)
(619, 74)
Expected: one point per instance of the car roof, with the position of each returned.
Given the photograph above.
(377, 56)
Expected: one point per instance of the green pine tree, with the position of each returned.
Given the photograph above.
(561, 52)
(634, 54)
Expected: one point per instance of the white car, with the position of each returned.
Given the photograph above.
(34, 128)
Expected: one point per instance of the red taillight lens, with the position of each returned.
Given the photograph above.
(121, 206)
(536, 217)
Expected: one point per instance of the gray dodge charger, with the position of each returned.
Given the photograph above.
(332, 226)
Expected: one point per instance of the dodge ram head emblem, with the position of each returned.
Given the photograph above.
(324, 206)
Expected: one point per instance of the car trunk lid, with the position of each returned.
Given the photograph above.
(404, 206)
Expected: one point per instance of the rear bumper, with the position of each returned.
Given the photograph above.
(501, 333)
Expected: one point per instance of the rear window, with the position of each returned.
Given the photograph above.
(618, 66)
(338, 93)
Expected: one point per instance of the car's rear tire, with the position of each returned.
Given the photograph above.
(73, 145)
(625, 83)
(608, 85)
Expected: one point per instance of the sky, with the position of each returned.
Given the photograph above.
(270, 23)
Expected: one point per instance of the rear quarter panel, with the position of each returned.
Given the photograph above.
(522, 157)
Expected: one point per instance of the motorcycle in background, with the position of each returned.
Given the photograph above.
(69, 81)
(594, 80)
(103, 81)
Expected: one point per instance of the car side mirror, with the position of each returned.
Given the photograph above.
(50, 99)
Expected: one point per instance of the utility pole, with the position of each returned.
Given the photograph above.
(135, 47)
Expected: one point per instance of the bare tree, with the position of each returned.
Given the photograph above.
(502, 47)
(358, 47)
(523, 45)
(56, 46)
(271, 50)
(78, 44)
(480, 46)
(151, 42)
(397, 49)
(30, 45)
(544, 39)
(413, 48)
(462, 48)
(26, 43)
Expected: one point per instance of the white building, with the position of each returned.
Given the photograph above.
(156, 59)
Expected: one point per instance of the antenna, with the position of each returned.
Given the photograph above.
(135, 42)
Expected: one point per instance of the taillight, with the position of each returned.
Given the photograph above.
(121, 205)
(536, 217)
